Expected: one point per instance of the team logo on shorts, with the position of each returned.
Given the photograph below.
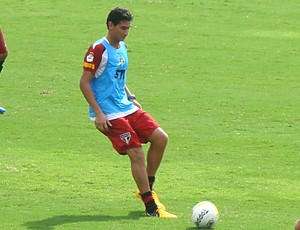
(125, 137)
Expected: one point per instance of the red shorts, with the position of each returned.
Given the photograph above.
(131, 131)
(3, 48)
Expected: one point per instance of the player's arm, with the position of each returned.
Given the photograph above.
(131, 97)
(87, 92)
(92, 60)
(129, 94)
(101, 121)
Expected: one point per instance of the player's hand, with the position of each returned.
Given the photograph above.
(136, 103)
(102, 123)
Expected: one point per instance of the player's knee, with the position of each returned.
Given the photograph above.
(135, 154)
(159, 136)
(3, 56)
(164, 137)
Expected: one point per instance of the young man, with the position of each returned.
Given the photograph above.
(3, 55)
(116, 112)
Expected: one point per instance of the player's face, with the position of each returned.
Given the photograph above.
(121, 30)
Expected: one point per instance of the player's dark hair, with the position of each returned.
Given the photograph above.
(118, 15)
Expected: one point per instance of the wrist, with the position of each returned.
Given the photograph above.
(98, 111)
(131, 97)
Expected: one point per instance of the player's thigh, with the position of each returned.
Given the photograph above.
(122, 136)
(144, 125)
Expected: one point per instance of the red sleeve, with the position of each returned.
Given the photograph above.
(93, 57)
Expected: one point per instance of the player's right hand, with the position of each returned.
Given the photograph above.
(101, 122)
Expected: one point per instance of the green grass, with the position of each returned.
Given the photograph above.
(221, 77)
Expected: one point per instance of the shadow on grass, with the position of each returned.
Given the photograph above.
(52, 222)
(194, 228)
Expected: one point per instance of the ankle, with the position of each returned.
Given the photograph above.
(149, 202)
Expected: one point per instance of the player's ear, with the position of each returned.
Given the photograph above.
(110, 25)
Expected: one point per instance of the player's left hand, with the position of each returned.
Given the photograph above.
(136, 103)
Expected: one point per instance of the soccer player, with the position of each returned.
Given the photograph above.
(116, 112)
(3, 55)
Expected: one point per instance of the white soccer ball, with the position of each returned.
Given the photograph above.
(205, 214)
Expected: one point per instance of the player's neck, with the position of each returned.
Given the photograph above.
(114, 43)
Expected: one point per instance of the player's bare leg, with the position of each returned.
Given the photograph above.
(138, 168)
(139, 173)
(159, 140)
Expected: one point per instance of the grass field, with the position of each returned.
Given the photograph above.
(221, 77)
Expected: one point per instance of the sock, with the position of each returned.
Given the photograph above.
(149, 202)
(1, 65)
(151, 181)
